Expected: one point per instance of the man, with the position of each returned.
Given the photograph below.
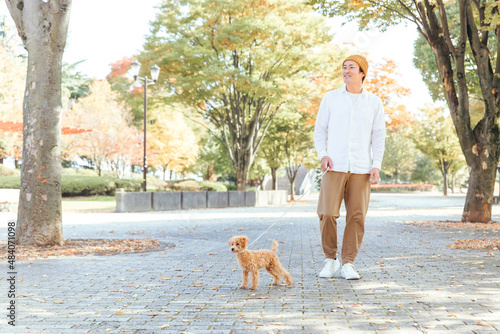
(349, 137)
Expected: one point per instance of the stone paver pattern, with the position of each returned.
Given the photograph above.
(411, 281)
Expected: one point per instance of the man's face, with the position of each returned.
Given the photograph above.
(351, 73)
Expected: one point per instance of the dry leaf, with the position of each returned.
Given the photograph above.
(58, 301)
(241, 315)
(120, 313)
(479, 323)
(452, 315)
(164, 327)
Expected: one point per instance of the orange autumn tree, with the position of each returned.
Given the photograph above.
(173, 145)
(12, 85)
(384, 81)
(113, 140)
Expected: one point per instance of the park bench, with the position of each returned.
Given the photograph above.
(8, 197)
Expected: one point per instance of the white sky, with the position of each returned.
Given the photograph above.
(102, 32)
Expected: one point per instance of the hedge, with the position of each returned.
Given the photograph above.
(402, 187)
(81, 185)
(191, 185)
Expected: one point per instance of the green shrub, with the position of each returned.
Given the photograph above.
(10, 182)
(4, 171)
(231, 187)
(72, 171)
(81, 185)
(188, 185)
(212, 186)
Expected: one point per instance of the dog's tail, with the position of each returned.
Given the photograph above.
(275, 246)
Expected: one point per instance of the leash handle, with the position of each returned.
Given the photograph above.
(284, 213)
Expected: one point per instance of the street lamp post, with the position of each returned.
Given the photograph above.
(155, 72)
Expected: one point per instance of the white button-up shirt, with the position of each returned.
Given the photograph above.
(351, 131)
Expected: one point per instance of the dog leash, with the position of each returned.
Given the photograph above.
(284, 213)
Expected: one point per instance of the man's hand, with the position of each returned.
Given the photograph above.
(326, 163)
(374, 175)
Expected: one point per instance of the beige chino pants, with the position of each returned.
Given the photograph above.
(354, 189)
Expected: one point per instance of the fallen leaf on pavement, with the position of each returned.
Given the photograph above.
(479, 323)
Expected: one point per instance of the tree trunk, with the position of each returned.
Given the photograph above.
(453, 180)
(445, 183)
(274, 171)
(479, 198)
(43, 28)
(241, 179)
(292, 172)
(261, 182)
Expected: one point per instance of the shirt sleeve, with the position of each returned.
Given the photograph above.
(378, 136)
(321, 128)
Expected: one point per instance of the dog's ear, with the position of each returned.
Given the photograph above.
(244, 240)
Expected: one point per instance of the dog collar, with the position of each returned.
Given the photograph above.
(242, 251)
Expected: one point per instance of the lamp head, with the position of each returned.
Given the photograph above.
(134, 69)
(155, 72)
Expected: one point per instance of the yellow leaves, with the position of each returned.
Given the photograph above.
(475, 243)
(73, 247)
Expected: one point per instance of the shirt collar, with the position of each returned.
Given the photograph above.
(363, 92)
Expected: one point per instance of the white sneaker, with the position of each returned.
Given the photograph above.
(331, 268)
(349, 271)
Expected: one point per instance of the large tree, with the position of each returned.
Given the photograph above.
(477, 21)
(43, 27)
(433, 135)
(237, 62)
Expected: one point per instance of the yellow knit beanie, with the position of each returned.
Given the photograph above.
(360, 60)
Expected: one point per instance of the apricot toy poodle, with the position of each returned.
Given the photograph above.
(251, 261)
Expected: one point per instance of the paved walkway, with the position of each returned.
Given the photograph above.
(411, 281)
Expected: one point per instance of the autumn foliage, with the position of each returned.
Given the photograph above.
(113, 140)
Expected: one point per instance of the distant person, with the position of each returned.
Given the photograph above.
(349, 137)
